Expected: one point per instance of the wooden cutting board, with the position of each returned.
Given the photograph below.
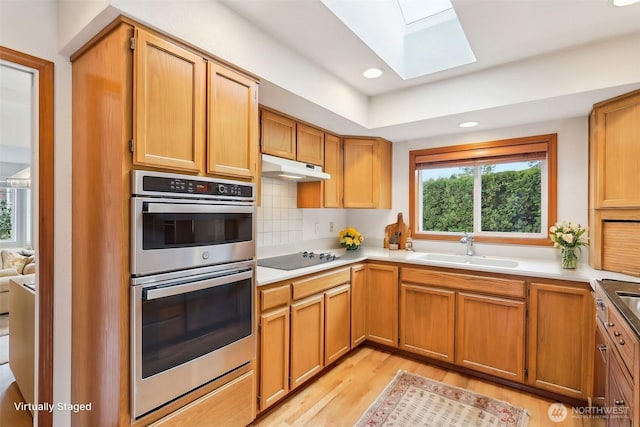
(398, 227)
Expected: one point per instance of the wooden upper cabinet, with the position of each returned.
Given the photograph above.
(232, 144)
(561, 338)
(614, 184)
(278, 135)
(367, 173)
(615, 152)
(326, 193)
(168, 104)
(332, 194)
(310, 145)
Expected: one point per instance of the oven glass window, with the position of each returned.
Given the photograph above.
(176, 230)
(180, 328)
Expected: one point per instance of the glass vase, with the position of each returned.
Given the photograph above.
(569, 258)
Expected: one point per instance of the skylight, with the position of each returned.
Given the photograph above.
(416, 10)
(413, 37)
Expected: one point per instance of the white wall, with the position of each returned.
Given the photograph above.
(30, 27)
(599, 65)
(214, 28)
(573, 162)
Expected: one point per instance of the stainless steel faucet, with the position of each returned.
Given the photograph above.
(468, 240)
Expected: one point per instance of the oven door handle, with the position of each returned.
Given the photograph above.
(170, 208)
(171, 290)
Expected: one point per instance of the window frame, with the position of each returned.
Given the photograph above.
(485, 150)
(12, 201)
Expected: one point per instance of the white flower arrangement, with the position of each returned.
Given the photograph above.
(568, 235)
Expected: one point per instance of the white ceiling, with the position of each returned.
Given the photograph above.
(500, 32)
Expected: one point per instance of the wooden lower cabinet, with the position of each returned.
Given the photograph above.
(358, 304)
(337, 318)
(307, 339)
(490, 335)
(232, 404)
(619, 394)
(382, 304)
(274, 356)
(561, 338)
(427, 321)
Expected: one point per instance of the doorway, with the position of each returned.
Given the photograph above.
(41, 183)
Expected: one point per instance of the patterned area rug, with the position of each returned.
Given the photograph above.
(412, 400)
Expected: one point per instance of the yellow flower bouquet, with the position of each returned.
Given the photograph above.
(350, 238)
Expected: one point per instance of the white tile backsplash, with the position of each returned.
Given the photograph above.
(278, 216)
(280, 222)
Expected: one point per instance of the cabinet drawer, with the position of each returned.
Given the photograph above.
(313, 285)
(274, 297)
(619, 391)
(465, 282)
(621, 337)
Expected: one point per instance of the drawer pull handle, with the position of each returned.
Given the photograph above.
(621, 342)
(603, 350)
(618, 402)
(611, 325)
(616, 333)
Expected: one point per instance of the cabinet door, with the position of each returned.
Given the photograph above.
(382, 304)
(367, 173)
(310, 145)
(337, 320)
(490, 335)
(274, 356)
(358, 305)
(307, 339)
(326, 193)
(619, 395)
(168, 104)
(561, 339)
(427, 320)
(333, 166)
(616, 152)
(278, 135)
(232, 145)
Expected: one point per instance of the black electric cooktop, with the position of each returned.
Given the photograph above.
(297, 260)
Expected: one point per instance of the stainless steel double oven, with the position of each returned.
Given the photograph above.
(192, 284)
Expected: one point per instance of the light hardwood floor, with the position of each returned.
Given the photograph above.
(341, 395)
(9, 393)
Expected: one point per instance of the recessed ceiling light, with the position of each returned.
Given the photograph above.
(624, 2)
(468, 124)
(372, 73)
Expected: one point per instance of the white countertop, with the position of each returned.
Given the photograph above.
(549, 269)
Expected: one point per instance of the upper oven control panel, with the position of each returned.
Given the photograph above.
(175, 185)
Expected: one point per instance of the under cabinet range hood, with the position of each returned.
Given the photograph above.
(277, 167)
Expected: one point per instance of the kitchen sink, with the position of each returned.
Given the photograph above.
(632, 301)
(470, 260)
